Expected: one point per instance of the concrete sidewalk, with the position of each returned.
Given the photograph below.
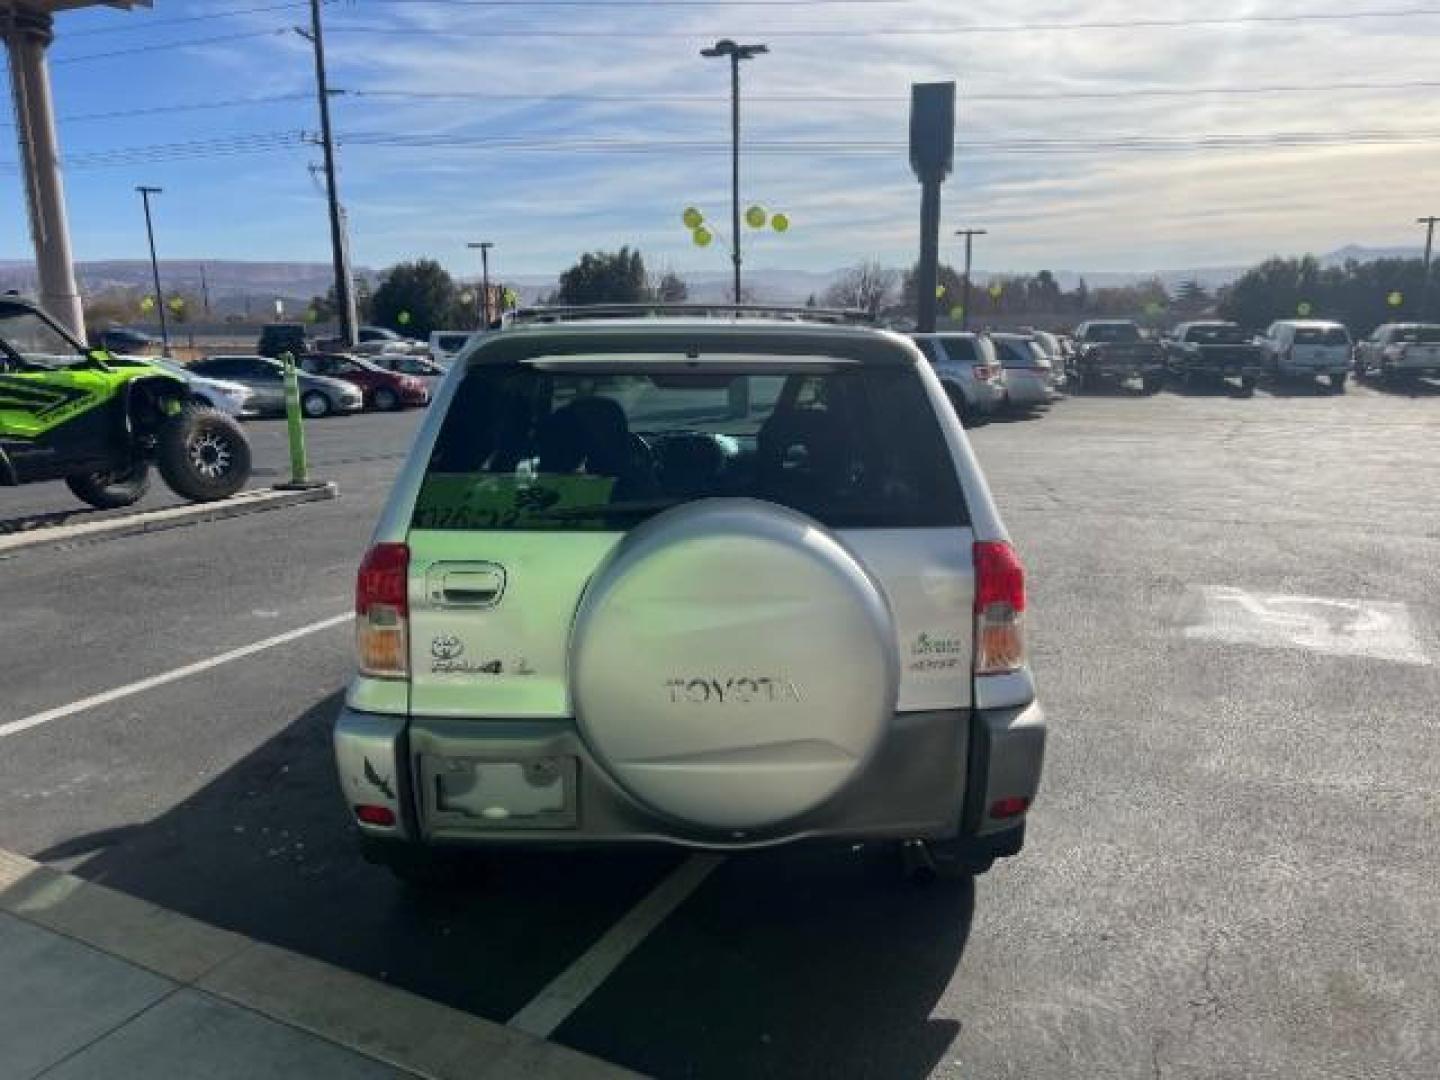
(95, 983)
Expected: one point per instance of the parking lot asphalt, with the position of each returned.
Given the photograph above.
(1231, 870)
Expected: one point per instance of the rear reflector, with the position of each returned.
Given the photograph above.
(999, 609)
(375, 815)
(1012, 807)
(382, 609)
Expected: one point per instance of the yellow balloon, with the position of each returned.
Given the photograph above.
(1396, 299)
(997, 290)
(1304, 309)
(755, 217)
(939, 292)
(957, 313)
(403, 318)
(780, 222)
(702, 237)
(692, 217)
(147, 303)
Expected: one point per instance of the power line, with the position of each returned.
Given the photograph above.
(168, 45)
(911, 31)
(184, 106)
(1051, 95)
(264, 142)
(134, 22)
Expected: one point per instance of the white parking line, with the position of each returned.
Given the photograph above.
(569, 990)
(14, 727)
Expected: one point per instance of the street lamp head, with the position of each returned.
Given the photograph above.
(482, 245)
(146, 190)
(726, 47)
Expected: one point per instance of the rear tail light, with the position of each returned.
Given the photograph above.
(382, 612)
(999, 609)
(375, 815)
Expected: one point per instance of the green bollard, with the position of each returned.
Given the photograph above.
(299, 473)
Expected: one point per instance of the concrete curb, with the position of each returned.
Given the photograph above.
(367, 1017)
(246, 502)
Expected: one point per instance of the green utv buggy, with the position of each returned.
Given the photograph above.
(98, 421)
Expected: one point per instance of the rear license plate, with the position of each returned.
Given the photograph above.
(471, 793)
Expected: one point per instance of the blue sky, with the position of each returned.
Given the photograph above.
(431, 73)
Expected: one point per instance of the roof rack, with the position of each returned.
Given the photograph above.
(533, 315)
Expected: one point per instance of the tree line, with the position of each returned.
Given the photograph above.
(420, 296)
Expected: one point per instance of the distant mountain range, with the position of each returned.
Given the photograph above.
(244, 287)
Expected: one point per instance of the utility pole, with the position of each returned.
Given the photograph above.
(344, 294)
(736, 53)
(145, 193)
(969, 235)
(1429, 223)
(204, 291)
(484, 246)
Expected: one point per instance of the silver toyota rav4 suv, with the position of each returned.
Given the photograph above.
(717, 583)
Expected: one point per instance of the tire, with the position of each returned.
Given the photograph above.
(386, 400)
(1337, 383)
(1152, 384)
(201, 401)
(203, 455)
(1080, 383)
(1247, 386)
(315, 405)
(108, 491)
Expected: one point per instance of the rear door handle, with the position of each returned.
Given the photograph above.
(476, 585)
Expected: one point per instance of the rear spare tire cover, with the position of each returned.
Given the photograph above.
(732, 664)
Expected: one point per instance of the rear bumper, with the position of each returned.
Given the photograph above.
(935, 776)
(1318, 366)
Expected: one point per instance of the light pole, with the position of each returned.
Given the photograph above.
(1429, 223)
(484, 246)
(344, 288)
(736, 53)
(145, 193)
(969, 235)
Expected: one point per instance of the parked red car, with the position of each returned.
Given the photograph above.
(385, 390)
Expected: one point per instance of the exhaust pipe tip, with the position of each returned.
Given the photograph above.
(916, 863)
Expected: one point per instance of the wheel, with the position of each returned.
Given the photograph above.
(1081, 384)
(1247, 386)
(386, 400)
(315, 404)
(1337, 383)
(110, 491)
(202, 401)
(1152, 384)
(203, 455)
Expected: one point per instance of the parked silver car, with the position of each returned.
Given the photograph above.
(969, 371)
(1399, 351)
(1029, 377)
(319, 395)
(717, 584)
(232, 398)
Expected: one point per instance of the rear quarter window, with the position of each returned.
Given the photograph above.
(548, 450)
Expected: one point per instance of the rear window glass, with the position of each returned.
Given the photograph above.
(523, 448)
(453, 342)
(962, 350)
(1417, 335)
(1111, 332)
(1021, 353)
(1217, 335)
(1309, 335)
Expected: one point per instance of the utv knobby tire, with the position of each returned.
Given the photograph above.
(203, 455)
(111, 491)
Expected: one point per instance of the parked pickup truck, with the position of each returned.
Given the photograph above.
(1398, 351)
(1115, 350)
(1199, 351)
